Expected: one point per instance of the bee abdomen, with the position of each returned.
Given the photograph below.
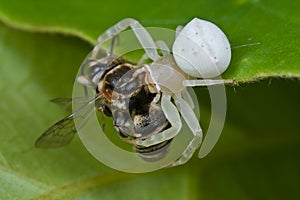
(138, 115)
(155, 152)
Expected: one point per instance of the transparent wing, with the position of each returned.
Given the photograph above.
(63, 131)
(66, 103)
(58, 135)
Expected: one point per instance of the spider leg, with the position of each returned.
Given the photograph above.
(178, 30)
(206, 82)
(112, 44)
(188, 98)
(143, 58)
(190, 118)
(172, 116)
(140, 32)
(160, 44)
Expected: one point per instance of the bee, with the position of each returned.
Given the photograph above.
(124, 92)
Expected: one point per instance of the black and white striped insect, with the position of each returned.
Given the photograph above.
(125, 92)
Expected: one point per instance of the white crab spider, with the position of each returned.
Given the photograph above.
(201, 50)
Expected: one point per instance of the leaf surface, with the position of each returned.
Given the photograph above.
(257, 156)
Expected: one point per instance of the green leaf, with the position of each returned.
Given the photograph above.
(257, 156)
(34, 69)
(274, 25)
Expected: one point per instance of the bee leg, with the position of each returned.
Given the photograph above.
(85, 81)
(140, 32)
(191, 119)
(172, 116)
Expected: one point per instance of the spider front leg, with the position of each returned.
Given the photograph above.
(190, 118)
(160, 44)
(140, 32)
(172, 116)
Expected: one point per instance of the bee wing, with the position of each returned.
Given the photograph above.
(63, 131)
(58, 135)
(66, 103)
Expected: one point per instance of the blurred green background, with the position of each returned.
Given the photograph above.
(42, 44)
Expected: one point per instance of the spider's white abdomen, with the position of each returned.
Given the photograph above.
(202, 50)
